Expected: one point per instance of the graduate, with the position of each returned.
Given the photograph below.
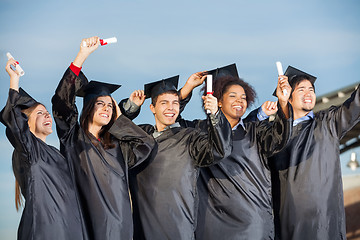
(164, 192)
(307, 184)
(44, 176)
(101, 162)
(235, 194)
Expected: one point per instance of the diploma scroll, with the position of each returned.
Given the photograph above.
(209, 90)
(104, 41)
(281, 72)
(18, 69)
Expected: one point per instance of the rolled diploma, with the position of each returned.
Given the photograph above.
(208, 88)
(103, 41)
(280, 72)
(108, 40)
(18, 69)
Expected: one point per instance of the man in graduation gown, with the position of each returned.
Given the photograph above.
(307, 185)
(164, 192)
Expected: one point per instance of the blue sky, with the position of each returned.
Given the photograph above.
(159, 39)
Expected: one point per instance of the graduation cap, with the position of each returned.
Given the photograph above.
(224, 71)
(96, 89)
(292, 73)
(156, 88)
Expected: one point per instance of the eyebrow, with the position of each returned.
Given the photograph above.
(242, 94)
(103, 102)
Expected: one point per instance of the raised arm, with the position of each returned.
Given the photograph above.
(283, 99)
(14, 77)
(64, 108)
(210, 147)
(193, 81)
(343, 118)
(16, 122)
(131, 106)
(136, 144)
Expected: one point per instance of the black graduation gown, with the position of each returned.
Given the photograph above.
(235, 194)
(164, 192)
(51, 208)
(101, 175)
(308, 193)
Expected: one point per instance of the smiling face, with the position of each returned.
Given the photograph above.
(303, 99)
(233, 104)
(40, 122)
(166, 110)
(103, 111)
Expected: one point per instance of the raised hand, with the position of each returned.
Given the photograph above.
(137, 97)
(196, 79)
(269, 107)
(87, 46)
(210, 103)
(14, 76)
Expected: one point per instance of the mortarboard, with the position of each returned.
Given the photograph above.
(224, 71)
(96, 89)
(292, 73)
(156, 88)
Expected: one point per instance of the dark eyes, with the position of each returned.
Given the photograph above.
(103, 104)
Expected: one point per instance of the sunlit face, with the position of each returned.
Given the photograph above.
(166, 110)
(233, 103)
(103, 110)
(40, 122)
(303, 97)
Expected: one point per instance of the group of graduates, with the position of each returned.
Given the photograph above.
(223, 177)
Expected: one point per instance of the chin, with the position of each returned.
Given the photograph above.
(308, 109)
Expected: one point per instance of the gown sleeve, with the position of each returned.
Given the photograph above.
(63, 102)
(209, 148)
(343, 118)
(136, 145)
(273, 136)
(17, 128)
(128, 112)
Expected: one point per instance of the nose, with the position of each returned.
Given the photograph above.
(47, 115)
(107, 107)
(307, 93)
(239, 99)
(170, 106)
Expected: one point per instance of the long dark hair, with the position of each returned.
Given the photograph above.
(86, 117)
(222, 85)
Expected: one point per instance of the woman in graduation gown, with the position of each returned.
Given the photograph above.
(44, 176)
(235, 194)
(101, 163)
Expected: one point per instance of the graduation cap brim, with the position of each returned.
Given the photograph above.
(292, 72)
(224, 71)
(96, 89)
(154, 89)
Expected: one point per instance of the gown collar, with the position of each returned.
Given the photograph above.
(157, 133)
(308, 116)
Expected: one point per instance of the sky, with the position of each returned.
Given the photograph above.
(160, 39)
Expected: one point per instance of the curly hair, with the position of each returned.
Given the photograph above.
(222, 84)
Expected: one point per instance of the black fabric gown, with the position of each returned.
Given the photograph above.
(308, 193)
(164, 192)
(101, 175)
(235, 194)
(45, 177)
